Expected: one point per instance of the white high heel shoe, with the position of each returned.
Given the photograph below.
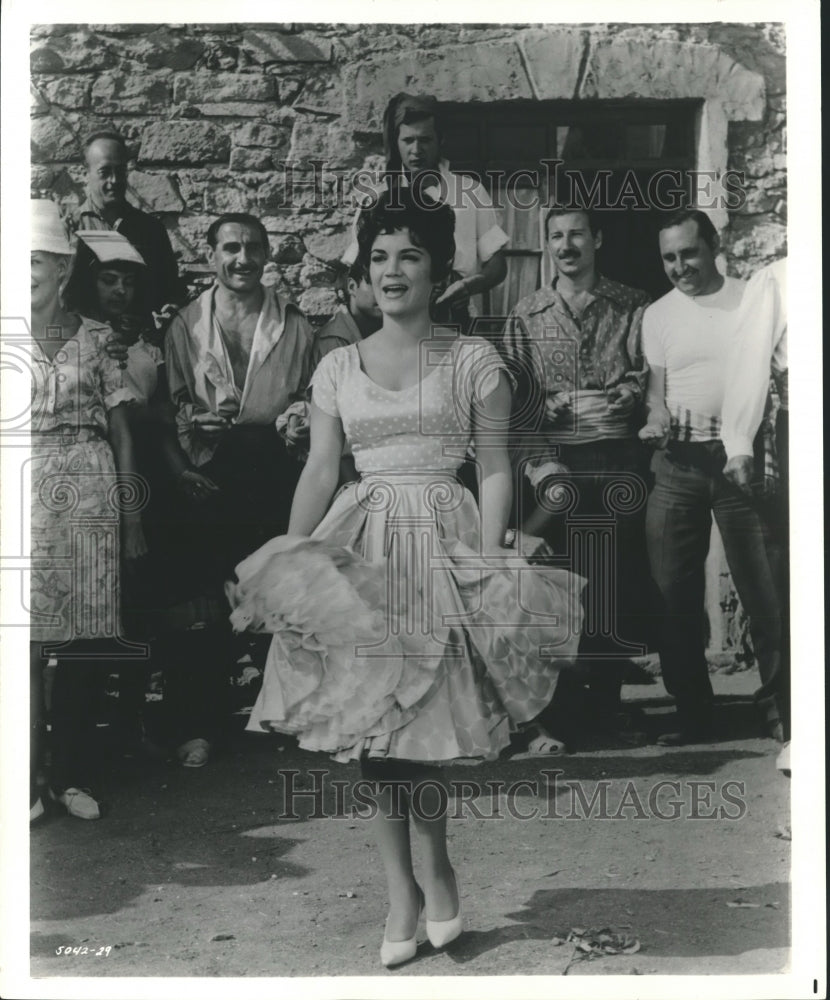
(398, 952)
(442, 932)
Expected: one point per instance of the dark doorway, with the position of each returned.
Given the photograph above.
(630, 159)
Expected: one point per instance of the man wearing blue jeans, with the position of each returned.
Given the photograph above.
(687, 338)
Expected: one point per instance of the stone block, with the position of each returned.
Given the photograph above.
(553, 60)
(271, 137)
(328, 246)
(318, 301)
(77, 51)
(41, 180)
(192, 185)
(637, 67)
(38, 105)
(330, 142)
(286, 249)
(184, 142)
(487, 71)
(232, 109)
(226, 197)
(71, 92)
(251, 159)
(756, 237)
(154, 192)
(128, 92)
(315, 273)
(289, 87)
(285, 223)
(163, 49)
(264, 47)
(189, 237)
(53, 138)
(218, 88)
(322, 92)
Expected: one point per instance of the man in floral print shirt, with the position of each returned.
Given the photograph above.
(575, 348)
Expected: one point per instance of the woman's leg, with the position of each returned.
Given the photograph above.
(37, 723)
(429, 815)
(74, 698)
(390, 790)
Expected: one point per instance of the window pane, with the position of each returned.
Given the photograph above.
(645, 142)
(591, 141)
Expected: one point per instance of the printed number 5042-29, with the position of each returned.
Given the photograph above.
(82, 949)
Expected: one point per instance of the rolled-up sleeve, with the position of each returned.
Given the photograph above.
(490, 237)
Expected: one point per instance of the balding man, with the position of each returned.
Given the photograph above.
(106, 207)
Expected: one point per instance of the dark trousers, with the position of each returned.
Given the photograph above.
(776, 512)
(197, 666)
(689, 488)
(602, 533)
(256, 477)
(75, 698)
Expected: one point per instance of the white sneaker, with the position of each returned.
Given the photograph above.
(78, 803)
(783, 761)
(36, 810)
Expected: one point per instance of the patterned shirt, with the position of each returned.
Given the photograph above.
(555, 351)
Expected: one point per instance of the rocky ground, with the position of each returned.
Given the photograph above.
(206, 872)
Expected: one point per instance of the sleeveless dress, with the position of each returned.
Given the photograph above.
(412, 644)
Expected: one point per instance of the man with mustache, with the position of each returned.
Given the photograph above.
(236, 357)
(688, 339)
(575, 346)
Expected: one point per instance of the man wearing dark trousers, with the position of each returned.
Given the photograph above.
(236, 358)
(688, 336)
(575, 347)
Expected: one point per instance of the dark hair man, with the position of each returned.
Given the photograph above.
(412, 140)
(688, 336)
(237, 357)
(575, 346)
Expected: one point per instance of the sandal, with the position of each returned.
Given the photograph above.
(194, 753)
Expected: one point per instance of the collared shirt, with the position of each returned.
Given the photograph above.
(150, 238)
(553, 351)
(340, 331)
(478, 234)
(759, 349)
(200, 373)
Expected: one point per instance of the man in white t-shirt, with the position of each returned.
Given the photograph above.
(688, 336)
(760, 351)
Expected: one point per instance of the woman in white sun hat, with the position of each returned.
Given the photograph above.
(84, 491)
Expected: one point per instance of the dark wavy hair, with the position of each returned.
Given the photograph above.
(705, 227)
(431, 225)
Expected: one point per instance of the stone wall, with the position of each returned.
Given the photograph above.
(211, 112)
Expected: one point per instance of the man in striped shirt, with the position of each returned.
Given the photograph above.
(688, 335)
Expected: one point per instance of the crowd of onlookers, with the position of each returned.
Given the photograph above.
(181, 428)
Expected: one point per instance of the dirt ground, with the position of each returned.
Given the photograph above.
(202, 873)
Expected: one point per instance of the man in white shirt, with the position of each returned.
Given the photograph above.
(760, 351)
(688, 336)
(412, 139)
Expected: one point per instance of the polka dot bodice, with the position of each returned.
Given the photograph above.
(425, 426)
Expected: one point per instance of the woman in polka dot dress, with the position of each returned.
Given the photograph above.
(473, 636)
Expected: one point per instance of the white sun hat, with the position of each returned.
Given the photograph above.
(110, 246)
(48, 232)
